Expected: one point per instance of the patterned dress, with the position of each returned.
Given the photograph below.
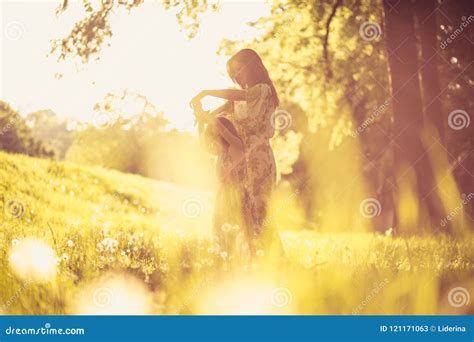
(253, 120)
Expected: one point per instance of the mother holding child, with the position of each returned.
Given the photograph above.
(239, 133)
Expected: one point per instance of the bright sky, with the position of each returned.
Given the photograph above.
(148, 55)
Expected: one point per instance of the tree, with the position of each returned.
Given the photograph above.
(337, 79)
(456, 70)
(410, 153)
(115, 139)
(90, 34)
(323, 61)
(16, 136)
(426, 27)
(51, 130)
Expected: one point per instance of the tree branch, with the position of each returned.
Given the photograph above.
(326, 38)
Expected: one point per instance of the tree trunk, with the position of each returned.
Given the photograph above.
(409, 151)
(431, 90)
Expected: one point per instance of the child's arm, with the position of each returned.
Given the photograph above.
(233, 140)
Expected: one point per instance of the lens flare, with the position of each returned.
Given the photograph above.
(249, 296)
(34, 260)
(114, 294)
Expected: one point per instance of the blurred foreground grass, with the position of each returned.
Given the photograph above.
(85, 240)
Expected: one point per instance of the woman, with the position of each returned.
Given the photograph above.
(252, 107)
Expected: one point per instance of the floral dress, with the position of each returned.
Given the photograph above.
(253, 120)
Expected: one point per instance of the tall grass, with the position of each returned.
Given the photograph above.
(126, 244)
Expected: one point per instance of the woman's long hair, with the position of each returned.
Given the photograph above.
(248, 61)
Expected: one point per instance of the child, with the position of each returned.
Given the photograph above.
(221, 138)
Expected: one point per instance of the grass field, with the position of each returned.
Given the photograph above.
(85, 240)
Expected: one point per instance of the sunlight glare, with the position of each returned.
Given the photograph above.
(114, 294)
(33, 260)
(148, 39)
(248, 296)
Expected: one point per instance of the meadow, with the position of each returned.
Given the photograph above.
(86, 240)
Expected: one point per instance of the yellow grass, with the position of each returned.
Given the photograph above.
(87, 240)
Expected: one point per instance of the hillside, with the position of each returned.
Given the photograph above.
(80, 197)
(87, 240)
